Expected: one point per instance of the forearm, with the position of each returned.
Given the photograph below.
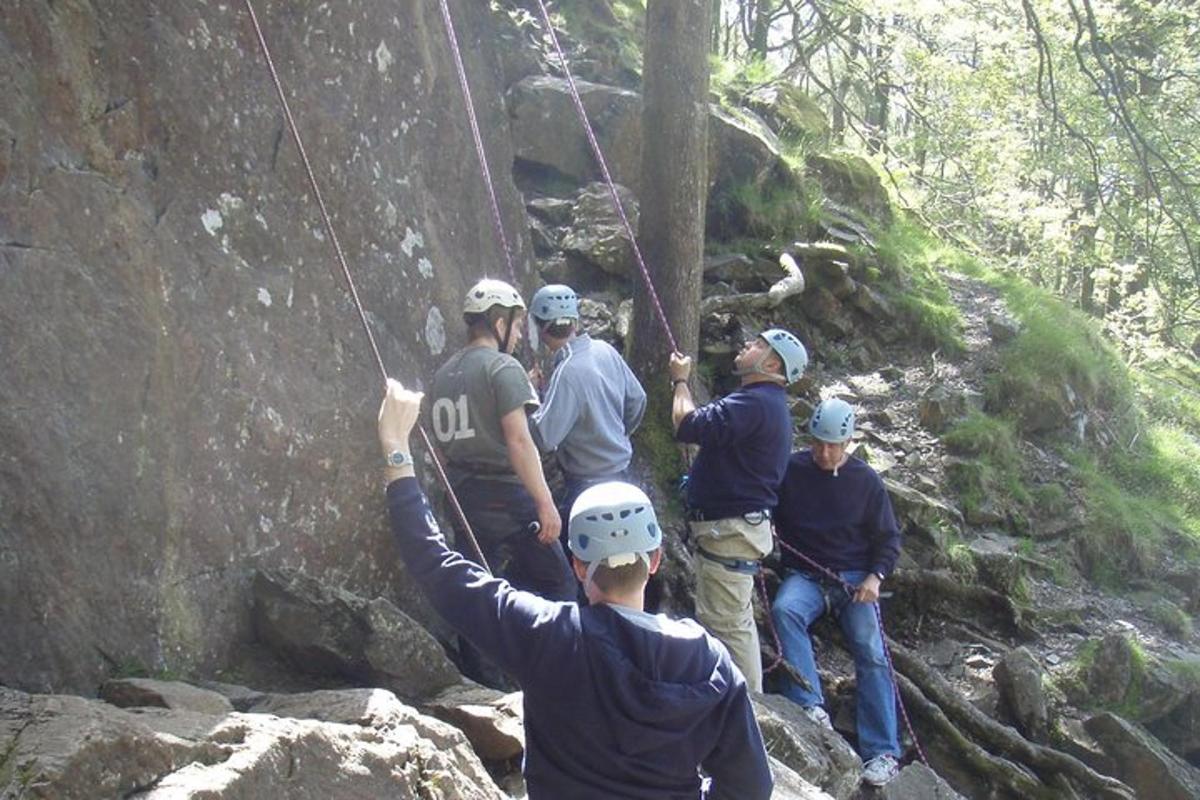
(527, 463)
(682, 404)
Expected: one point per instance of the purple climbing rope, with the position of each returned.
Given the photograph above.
(882, 636)
(612, 187)
(341, 259)
(480, 153)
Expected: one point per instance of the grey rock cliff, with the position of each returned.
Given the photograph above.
(185, 391)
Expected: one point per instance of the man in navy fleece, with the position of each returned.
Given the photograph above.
(833, 508)
(745, 438)
(618, 703)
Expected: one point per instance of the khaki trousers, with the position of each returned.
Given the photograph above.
(724, 597)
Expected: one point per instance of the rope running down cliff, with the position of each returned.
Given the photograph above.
(341, 259)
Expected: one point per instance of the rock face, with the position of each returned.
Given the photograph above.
(185, 388)
(326, 631)
(1142, 762)
(352, 744)
(918, 782)
(1019, 679)
(816, 754)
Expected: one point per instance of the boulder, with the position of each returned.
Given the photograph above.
(597, 236)
(186, 399)
(941, 406)
(923, 514)
(363, 744)
(324, 630)
(177, 695)
(1142, 761)
(918, 782)
(1002, 328)
(789, 111)
(996, 565)
(790, 786)
(1111, 670)
(742, 149)
(546, 130)
(814, 752)
(852, 181)
(1019, 680)
(547, 134)
(494, 722)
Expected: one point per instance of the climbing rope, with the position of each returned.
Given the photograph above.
(603, 164)
(837, 579)
(480, 153)
(341, 259)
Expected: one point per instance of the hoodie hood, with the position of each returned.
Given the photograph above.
(663, 677)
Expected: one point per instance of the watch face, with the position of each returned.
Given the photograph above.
(398, 459)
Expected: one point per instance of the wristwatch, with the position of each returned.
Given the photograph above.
(880, 575)
(399, 458)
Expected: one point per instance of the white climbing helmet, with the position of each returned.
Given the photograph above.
(790, 351)
(554, 302)
(832, 421)
(488, 293)
(613, 523)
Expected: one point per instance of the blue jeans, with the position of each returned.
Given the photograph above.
(801, 600)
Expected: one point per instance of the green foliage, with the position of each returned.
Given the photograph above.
(777, 211)
(1057, 346)
(730, 78)
(995, 467)
(1050, 499)
(910, 259)
(1172, 618)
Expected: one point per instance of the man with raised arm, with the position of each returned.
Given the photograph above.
(619, 703)
(840, 542)
(745, 439)
(478, 416)
(592, 402)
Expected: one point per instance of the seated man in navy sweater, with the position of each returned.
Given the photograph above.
(618, 703)
(834, 510)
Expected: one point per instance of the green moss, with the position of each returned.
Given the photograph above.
(994, 468)
(780, 210)
(1172, 618)
(910, 260)
(1050, 499)
(655, 442)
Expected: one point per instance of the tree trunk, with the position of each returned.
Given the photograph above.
(674, 182)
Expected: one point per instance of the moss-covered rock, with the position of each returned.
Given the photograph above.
(853, 181)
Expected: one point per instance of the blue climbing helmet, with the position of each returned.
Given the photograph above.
(554, 302)
(790, 351)
(613, 523)
(832, 421)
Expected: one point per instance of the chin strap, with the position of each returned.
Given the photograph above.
(757, 369)
(512, 314)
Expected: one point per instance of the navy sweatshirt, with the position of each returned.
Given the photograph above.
(618, 704)
(842, 523)
(745, 438)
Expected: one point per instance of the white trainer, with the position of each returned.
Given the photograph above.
(819, 716)
(880, 769)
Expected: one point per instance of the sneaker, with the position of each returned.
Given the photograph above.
(880, 769)
(818, 715)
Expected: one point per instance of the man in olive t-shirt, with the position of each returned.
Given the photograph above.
(477, 414)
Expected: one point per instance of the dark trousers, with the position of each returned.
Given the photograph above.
(504, 520)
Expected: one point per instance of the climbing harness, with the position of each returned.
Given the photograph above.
(341, 259)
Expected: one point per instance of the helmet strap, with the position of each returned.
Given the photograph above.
(512, 313)
(757, 368)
